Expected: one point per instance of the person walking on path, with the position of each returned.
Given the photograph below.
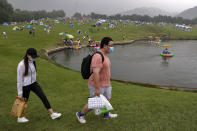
(99, 81)
(5, 35)
(26, 82)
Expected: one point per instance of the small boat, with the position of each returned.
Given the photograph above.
(167, 55)
(93, 45)
(97, 47)
(77, 47)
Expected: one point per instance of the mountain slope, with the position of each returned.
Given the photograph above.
(150, 11)
(189, 13)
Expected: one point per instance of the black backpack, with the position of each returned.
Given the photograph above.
(86, 63)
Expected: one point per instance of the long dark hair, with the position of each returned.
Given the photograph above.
(27, 65)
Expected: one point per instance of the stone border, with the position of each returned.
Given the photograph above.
(171, 87)
(50, 51)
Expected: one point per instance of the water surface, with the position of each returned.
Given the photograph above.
(141, 62)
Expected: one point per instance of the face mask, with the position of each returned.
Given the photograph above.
(111, 49)
(32, 59)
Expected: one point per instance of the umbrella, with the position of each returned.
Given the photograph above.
(66, 35)
(69, 36)
(62, 33)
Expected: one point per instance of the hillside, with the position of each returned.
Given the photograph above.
(189, 13)
(150, 11)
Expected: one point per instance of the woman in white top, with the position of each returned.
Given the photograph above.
(26, 82)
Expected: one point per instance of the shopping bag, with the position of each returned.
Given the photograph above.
(107, 104)
(19, 107)
(99, 102)
(95, 103)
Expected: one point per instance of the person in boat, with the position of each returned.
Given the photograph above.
(165, 51)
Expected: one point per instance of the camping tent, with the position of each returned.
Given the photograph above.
(41, 23)
(16, 28)
(71, 25)
(5, 24)
(57, 21)
(33, 22)
(13, 23)
(29, 26)
(46, 26)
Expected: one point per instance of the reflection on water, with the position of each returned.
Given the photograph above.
(142, 62)
(165, 61)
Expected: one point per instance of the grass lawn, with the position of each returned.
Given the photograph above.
(139, 108)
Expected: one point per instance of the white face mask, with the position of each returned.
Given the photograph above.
(32, 59)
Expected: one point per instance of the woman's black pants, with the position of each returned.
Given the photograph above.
(35, 87)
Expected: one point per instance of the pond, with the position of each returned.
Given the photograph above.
(141, 62)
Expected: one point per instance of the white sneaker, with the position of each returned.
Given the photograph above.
(111, 116)
(22, 120)
(81, 119)
(97, 112)
(55, 115)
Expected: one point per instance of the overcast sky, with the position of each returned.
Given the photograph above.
(102, 6)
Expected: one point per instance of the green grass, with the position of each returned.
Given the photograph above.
(139, 108)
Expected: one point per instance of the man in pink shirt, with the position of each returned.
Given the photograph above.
(99, 81)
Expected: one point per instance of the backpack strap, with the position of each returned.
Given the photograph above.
(102, 59)
(101, 55)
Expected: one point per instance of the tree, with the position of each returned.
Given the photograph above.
(24, 15)
(97, 16)
(77, 15)
(6, 10)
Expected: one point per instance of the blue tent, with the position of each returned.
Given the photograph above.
(71, 25)
(5, 24)
(46, 26)
(29, 26)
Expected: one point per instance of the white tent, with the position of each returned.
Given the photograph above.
(15, 28)
(41, 23)
(57, 21)
(33, 22)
